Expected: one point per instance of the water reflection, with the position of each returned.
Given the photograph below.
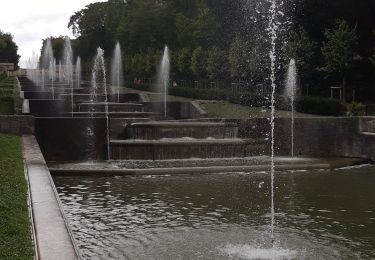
(320, 215)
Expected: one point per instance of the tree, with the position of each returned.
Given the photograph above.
(217, 63)
(303, 50)
(372, 57)
(183, 61)
(198, 62)
(8, 49)
(338, 51)
(238, 59)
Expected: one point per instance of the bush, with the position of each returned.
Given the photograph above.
(355, 109)
(6, 106)
(320, 106)
(310, 105)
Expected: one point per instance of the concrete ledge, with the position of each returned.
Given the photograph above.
(53, 239)
(255, 166)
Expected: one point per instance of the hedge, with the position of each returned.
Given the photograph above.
(309, 105)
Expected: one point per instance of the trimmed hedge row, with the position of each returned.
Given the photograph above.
(6, 106)
(309, 105)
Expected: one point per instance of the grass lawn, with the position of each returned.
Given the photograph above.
(15, 240)
(224, 109)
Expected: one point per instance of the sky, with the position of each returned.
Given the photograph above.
(30, 21)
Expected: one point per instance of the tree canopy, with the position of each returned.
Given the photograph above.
(225, 40)
(8, 49)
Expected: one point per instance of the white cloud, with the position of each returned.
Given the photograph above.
(30, 21)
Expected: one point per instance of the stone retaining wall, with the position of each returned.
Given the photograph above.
(18, 125)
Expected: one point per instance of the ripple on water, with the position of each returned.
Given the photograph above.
(250, 252)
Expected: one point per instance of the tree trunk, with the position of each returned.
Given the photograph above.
(344, 89)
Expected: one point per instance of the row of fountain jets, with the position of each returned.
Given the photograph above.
(47, 72)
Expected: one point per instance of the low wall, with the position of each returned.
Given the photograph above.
(71, 139)
(77, 139)
(314, 136)
(18, 125)
(177, 109)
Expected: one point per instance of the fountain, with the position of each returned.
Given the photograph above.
(99, 83)
(68, 70)
(116, 71)
(47, 57)
(163, 77)
(78, 72)
(273, 27)
(290, 93)
(51, 74)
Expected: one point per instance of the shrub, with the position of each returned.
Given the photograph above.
(6, 106)
(310, 105)
(355, 109)
(320, 106)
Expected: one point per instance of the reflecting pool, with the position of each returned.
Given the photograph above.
(319, 215)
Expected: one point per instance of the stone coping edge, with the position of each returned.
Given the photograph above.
(51, 234)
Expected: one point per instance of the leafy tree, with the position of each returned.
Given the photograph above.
(303, 50)
(338, 51)
(238, 58)
(183, 61)
(372, 57)
(217, 63)
(8, 49)
(198, 62)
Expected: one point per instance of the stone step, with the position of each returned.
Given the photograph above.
(113, 107)
(184, 148)
(170, 129)
(147, 115)
(199, 166)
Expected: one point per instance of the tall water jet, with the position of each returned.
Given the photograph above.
(273, 28)
(116, 71)
(47, 57)
(52, 75)
(68, 69)
(290, 93)
(78, 72)
(99, 84)
(163, 77)
(60, 72)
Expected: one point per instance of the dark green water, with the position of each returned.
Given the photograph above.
(319, 215)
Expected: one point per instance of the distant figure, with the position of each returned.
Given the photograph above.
(135, 81)
(174, 84)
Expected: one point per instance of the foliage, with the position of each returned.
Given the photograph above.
(355, 109)
(198, 62)
(217, 63)
(8, 49)
(338, 50)
(15, 239)
(6, 106)
(303, 50)
(320, 106)
(223, 41)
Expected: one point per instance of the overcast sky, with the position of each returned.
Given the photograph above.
(30, 21)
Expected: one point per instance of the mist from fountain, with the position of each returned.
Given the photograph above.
(99, 86)
(117, 78)
(290, 93)
(47, 57)
(163, 77)
(68, 70)
(52, 75)
(60, 72)
(78, 72)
